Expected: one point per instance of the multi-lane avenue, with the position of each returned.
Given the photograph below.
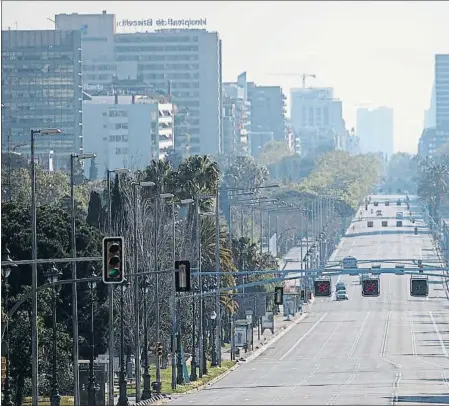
(390, 349)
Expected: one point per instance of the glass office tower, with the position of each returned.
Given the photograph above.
(42, 88)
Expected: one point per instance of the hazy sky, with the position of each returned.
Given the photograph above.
(372, 53)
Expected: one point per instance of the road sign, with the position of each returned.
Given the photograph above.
(371, 287)
(419, 287)
(349, 262)
(322, 288)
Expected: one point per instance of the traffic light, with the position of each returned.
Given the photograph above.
(322, 288)
(419, 287)
(182, 276)
(278, 295)
(159, 349)
(303, 295)
(371, 287)
(113, 260)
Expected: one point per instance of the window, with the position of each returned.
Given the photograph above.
(123, 126)
(121, 151)
(118, 113)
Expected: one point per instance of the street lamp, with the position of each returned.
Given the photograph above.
(91, 386)
(74, 289)
(202, 351)
(5, 273)
(123, 397)
(156, 262)
(55, 398)
(146, 394)
(213, 317)
(117, 171)
(34, 331)
(136, 186)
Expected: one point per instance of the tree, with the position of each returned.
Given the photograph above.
(273, 152)
(93, 170)
(53, 235)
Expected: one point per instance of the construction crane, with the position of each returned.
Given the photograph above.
(303, 75)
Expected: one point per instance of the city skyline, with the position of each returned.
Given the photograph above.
(389, 67)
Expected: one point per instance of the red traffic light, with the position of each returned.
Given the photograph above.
(322, 288)
(370, 287)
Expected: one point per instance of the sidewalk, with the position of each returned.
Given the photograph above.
(280, 324)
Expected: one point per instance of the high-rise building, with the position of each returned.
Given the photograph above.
(317, 118)
(183, 62)
(442, 91)
(41, 89)
(375, 127)
(267, 110)
(430, 113)
(236, 117)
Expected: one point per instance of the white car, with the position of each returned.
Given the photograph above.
(341, 295)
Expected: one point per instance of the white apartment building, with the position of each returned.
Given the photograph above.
(126, 131)
(183, 62)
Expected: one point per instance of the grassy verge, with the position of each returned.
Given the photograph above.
(212, 373)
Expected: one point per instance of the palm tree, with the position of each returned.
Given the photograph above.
(226, 260)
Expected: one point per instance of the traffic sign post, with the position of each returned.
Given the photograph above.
(322, 288)
(419, 287)
(371, 287)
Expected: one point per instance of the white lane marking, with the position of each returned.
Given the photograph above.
(383, 348)
(331, 335)
(345, 385)
(437, 332)
(412, 333)
(359, 334)
(306, 378)
(304, 336)
(394, 395)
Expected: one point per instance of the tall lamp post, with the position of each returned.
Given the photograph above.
(34, 331)
(137, 186)
(162, 196)
(146, 394)
(91, 386)
(213, 317)
(111, 292)
(76, 376)
(55, 398)
(123, 397)
(6, 271)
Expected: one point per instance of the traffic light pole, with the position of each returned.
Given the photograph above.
(111, 307)
(156, 265)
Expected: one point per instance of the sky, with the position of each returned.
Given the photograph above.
(373, 53)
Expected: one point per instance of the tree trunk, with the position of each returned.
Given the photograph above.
(19, 389)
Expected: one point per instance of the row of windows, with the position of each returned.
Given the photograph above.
(121, 126)
(121, 151)
(169, 66)
(167, 48)
(162, 57)
(103, 76)
(156, 38)
(41, 56)
(170, 76)
(37, 69)
(55, 82)
(118, 113)
(118, 138)
(102, 67)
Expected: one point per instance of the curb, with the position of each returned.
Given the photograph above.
(151, 400)
(254, 355)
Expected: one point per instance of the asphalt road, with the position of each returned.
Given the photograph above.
(391, 349)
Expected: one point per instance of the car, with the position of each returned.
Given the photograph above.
(341, 295)
(340, 286)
